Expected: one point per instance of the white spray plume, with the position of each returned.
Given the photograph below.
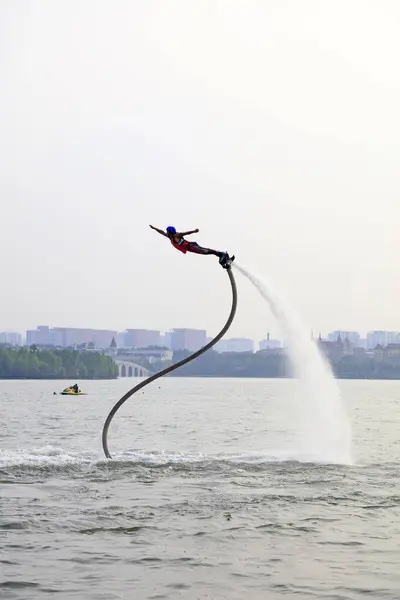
(326, 432)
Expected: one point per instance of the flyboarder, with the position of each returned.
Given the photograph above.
(178, 241)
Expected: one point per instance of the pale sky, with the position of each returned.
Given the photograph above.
(273, 126)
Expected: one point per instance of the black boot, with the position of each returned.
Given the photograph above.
(225, 260)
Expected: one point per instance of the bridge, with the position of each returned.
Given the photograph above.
(126, 368)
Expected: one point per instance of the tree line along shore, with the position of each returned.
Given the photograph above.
(34, 363)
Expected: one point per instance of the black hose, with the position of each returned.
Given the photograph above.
(142, 384)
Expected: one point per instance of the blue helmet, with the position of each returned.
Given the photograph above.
(171, 229)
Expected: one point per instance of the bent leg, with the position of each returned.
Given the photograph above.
(196, 249)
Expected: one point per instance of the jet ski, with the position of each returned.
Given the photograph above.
(72, 391)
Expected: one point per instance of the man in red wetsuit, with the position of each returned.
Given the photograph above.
(178, 241)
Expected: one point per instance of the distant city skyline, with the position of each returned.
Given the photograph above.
(273, 332)
(180, 338)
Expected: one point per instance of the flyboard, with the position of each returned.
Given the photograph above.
(226, 264)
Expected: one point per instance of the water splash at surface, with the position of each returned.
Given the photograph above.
(323, 424)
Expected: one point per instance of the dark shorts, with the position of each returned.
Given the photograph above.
(194, 247)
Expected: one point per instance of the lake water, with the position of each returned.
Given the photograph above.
(208, 494)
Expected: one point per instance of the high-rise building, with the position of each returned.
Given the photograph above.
(235, 345)
(74, 336)
(269, 344)
(42, 336)
(69, 336)
(142, 338)
(352, 336)
(165, 340)
(188, 339)
(382, 338)
(120, 339)
(11, 338)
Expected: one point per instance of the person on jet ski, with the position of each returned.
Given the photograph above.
(75, 388)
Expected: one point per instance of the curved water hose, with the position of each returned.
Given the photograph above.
(142, 384)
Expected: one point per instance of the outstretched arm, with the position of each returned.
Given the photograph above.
(159, 231)
(189, 232)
